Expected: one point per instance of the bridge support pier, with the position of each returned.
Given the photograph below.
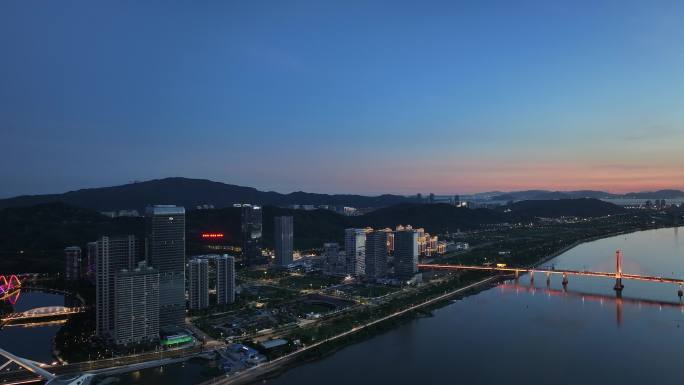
(680, 292)
(548, 279)
(618, 272)
(517, 274)
(531, 276)
(565, 280)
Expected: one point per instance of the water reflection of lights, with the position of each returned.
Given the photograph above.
(619, 301)
(38, 324)
(601, 298)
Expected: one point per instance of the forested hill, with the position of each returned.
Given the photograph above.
(192, 192)
(33, 238)
(584, 207)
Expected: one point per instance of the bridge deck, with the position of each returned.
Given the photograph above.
(585, 273)
(45, 312)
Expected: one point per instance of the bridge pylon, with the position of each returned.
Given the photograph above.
(618, 272)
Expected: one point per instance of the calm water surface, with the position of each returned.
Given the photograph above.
(35, 342)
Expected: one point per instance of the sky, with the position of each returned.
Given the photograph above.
(369, 97)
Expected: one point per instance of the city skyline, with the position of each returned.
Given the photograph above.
(341, 192)
(442, 97)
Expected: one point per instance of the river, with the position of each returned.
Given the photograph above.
(523, 334)
(34, 343)
(517, 333)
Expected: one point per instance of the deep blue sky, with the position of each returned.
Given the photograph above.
(365, 97)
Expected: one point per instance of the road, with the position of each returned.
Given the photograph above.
(104, 365)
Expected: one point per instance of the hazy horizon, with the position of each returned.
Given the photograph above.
(425, 193)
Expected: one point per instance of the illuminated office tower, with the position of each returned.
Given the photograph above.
(251, 235)
(355, 248)
(165, 226)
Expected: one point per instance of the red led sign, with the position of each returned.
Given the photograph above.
(212, 235)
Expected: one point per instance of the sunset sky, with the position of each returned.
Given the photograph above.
(347, 97)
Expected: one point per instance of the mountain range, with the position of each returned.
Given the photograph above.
(34, 237)
(193, 192)
(549, 195)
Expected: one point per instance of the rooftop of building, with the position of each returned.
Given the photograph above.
(165, 209)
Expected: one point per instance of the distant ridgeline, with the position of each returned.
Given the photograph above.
(191, 193)
(34, 237)
(548, 195)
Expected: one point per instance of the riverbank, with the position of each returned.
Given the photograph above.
(592, 239)
(280, 365)
(257, 372)
(496, 327)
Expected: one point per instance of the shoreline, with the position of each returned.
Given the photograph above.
(259, 372)
(590, 239)
(280, 365)
(595, 238)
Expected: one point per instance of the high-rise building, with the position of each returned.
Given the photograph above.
(198, 274)
(431, 242)
(355, 248)
(334, 260)
(137, 305)
(376, 254)
(282, 227)
(422, 240)
(166, 252)
(74, 263)
(251, 235)
(406, 254)
(225, 280)
(112, 254)
(91, 256)
(390, 240)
